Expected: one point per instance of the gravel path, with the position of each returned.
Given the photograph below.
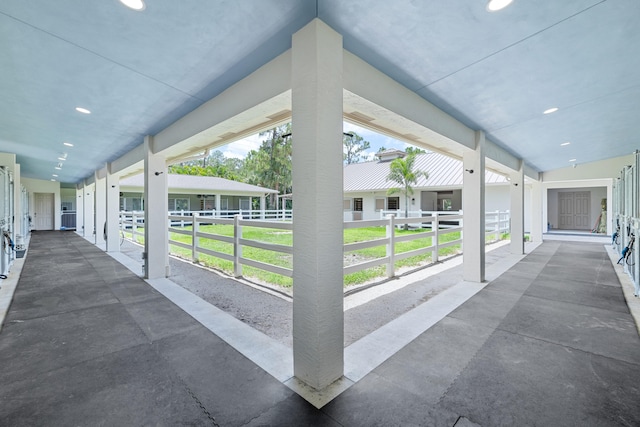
(271, 312)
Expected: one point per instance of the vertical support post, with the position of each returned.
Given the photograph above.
(134, 226)
(391, 246)
(318, 314)
(537, 219)
(88, 210)
(263, 206)
(473, 203)
(101, 206)
(156, 209)
(237, 247)
(435, 227)
(517, 211)
(80, 209)
(113, 211)
(195, 227)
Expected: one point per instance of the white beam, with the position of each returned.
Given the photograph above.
(517, 210)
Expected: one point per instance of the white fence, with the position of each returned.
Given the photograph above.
(436, 224)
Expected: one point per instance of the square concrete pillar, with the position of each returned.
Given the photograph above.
(101, 206)
(88, 210)
(473, 207)
(80, 209)
(113, 211)
(156, 213)
(537, 218)
(517, 210)
(318, 316)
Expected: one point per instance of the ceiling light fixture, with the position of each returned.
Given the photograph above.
(53, 179)
(134, 4)
(55, 174)
(572, 160)
(57, 168)
(494, 5)
(550, 110)
(564, 144)
(82, 110)
(68, 144)
(62, 158)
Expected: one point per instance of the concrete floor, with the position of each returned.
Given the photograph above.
(87, 342)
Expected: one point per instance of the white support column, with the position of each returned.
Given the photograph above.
(80, 209)
(318, 316)
(101, 206)
(263, 206)
(156, 211)
(537, 220)
(17, 202)
(218, 197)
(89, 219)
(113, 211)
(473, 206)
(517, 211)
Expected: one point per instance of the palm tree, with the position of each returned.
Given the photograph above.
(401, 171)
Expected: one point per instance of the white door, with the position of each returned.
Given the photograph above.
(582, 206)
(43, 212)
(574, 210)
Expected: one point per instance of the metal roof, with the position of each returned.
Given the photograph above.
(178, 183)
(443, 171)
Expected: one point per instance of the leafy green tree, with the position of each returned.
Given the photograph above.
(270, 165)
(414, 150)
(354, 145)
(401, 171)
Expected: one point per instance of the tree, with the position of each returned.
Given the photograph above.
(354, 145)
(401, 171)
(270, 165)
(414, 150)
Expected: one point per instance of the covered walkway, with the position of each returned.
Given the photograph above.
(87, 342)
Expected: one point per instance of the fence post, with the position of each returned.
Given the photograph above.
(435, 226)
(237, 248)
(134, 226)
(461, 225)
(391, 232)
(194, 236)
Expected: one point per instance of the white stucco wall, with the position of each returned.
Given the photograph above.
(40, 186)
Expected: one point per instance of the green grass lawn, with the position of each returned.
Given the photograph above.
(284, 237)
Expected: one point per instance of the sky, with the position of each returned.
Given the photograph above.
(239, 149)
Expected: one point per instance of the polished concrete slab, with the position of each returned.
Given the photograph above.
(534, 346)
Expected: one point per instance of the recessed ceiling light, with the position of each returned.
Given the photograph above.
(565, 144)
(55, 174)
(57, 168)
(82, 110)
(53, 179)
(572, 160)
(68, 144)
(550, 110)
(494, 5)
(62, 158)
(134, 4)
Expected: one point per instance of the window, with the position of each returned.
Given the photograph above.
(224, 203)
(357, 204)
(207, 204)
(182, 204)
(379, 205)
(393, 203)
(446, 204)
(346, 205)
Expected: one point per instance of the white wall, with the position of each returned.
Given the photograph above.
(597, 194)
(39, 186)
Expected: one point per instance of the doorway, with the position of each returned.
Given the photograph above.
(43, 212)
(574, 210)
